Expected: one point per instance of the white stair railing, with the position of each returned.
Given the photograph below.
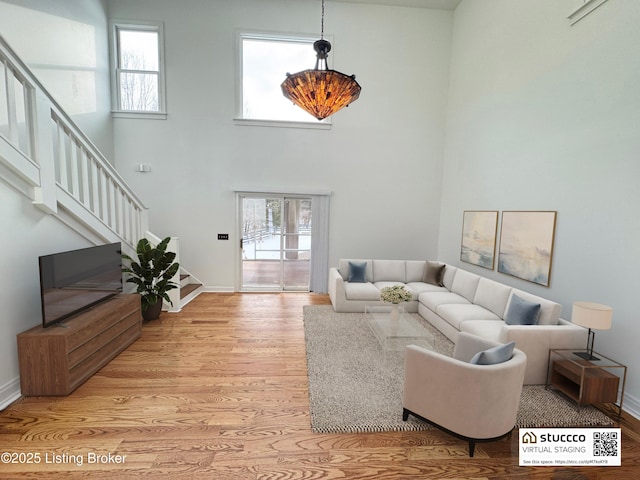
(46, 156)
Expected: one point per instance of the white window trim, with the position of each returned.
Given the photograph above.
(254, 122)
(116, 111)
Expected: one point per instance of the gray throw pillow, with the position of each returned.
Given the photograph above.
(434, 273)
(521, 312)
(494, 355)
(357, 272)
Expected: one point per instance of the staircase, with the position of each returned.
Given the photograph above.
(189, 286)
(46, 157)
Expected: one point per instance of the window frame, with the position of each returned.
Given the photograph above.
(116, 110)
(239, 119)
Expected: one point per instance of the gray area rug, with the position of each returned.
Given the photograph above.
(356, 386)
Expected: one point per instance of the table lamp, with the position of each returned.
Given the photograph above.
(591, 316)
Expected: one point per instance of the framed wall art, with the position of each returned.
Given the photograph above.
(526, 245)
(479, 230)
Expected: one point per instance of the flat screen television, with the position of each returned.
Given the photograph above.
(74, 281)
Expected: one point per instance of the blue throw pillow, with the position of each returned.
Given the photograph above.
(494, 355)
(521, 312)
(357, 272)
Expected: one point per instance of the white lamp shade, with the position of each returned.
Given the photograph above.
(592, 315)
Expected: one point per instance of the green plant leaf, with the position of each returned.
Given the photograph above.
(154, 270)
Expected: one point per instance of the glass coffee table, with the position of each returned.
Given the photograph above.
(395, 332)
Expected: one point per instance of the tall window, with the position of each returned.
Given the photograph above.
(264, 62)
(138, 68)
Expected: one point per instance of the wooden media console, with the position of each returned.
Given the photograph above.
(58, 359)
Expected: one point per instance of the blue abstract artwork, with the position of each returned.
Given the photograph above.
(479, 229)
(526, 245)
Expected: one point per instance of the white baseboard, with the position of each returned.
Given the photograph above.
(212, 289)
(9, 393)
(631, 405)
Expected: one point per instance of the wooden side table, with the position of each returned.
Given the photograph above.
(587, 381)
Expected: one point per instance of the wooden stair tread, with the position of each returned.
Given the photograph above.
(187, 289)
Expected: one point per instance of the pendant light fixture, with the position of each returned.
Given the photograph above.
(321, 91)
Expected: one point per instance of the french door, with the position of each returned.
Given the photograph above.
(276, 242)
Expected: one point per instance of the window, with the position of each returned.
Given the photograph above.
(264, 62)
(137, 57)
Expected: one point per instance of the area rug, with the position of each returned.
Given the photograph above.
(356, 386)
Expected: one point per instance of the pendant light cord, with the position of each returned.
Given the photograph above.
(322, 23)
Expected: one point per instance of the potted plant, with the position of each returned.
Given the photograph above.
(395, 295)
(152, 275)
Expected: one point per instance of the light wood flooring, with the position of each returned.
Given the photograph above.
(219, 391)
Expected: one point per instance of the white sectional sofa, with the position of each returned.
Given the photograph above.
(462, 302)
(353, 296)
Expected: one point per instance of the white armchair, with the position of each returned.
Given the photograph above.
(478, 403)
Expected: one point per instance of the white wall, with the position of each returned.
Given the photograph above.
(545, 116)
(25, 234)
(65, 44)
(381, 159)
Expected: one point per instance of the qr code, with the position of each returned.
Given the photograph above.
(605, 444)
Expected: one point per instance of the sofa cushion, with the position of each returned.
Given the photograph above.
(388, 271)
(549, 311)
(357, 272)
(489, 329)
(433, 273)
(495, 355)
(414, 270)
(449, 275)
(465, 284)
(361, 291)
(521, 312)
(455, 314)
(420, 287)
(432, 300)
(492, 295)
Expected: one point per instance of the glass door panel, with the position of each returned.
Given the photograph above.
(276, 243)
(261, 243)
(297, 243)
